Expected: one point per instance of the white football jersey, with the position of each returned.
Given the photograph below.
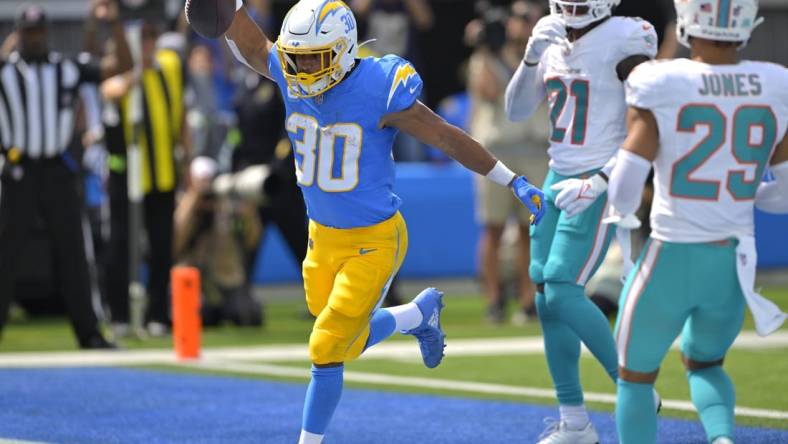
(587, 108)
(718, 128)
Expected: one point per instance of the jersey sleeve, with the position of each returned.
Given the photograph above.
(403, 84)
(640, 38)
(89, 68)
(644, 86)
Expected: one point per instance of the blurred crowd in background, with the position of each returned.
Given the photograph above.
(213, 165)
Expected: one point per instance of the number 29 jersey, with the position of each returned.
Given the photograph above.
(718, 127)
(344, 163)
(586, 97)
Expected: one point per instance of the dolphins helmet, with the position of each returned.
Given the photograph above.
(581, 13)
(720, 20)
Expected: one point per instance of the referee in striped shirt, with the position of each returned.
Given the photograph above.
(38, 90)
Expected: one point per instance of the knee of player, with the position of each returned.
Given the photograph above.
(325, 348)
(542, 310)
(557, 293)
(557, 270)
(536, 273)
(628, 375)
(694, 365)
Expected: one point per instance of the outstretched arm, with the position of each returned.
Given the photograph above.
(247, 42)
(420, 122)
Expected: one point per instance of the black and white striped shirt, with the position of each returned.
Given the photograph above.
(37, 102)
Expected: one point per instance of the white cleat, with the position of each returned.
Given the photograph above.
(722, 440)
(557, 433)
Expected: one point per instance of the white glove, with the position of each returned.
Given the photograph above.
(549, 30)
(578, 194)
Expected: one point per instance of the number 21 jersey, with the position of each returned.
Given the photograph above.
(586, 97)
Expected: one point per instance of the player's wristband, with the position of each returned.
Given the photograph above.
(238, 4)
(500, 174)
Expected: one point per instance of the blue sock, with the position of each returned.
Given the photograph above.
(570, 304)
(636, 419)
(381, 326)
(714, 397)
(322, 398)
(562, 349)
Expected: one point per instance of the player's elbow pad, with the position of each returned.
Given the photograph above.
(627, 180)
(772, 197)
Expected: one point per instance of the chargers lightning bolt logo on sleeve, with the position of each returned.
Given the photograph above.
(402, 75)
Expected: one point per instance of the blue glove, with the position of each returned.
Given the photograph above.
(531, 196)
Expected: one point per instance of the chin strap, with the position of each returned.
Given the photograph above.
(366, 42)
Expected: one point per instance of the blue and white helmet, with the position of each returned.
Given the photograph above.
(581, 13)
(719, 20)
(317, 27)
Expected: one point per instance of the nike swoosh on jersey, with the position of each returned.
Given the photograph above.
(364, 251)
(401, 76)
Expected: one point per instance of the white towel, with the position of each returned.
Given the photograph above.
(624, 238)
(767, 315)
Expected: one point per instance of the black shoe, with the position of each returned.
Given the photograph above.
(98, 342)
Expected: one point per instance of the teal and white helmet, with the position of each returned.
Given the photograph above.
(581, 13)
(719, 20)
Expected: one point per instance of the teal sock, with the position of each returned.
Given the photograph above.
(636, 419)
(322, 397)
(714, 397)
(562, 349)
(381, 326)
(572, 307)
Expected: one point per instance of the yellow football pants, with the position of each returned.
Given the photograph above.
(347, 273)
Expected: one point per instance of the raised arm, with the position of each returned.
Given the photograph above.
(526, 89)
(121, 60)
(524, 93)
(248, 42)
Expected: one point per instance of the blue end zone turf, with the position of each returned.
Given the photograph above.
(99, 405)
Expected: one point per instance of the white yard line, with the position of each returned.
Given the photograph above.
(244, 360)
(453, 385)
(17, 441)
(278, 353)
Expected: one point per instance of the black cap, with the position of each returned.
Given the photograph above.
(31, 16)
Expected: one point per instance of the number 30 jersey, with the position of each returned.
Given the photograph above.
(344, 162)
(718, 127)
(586, 97)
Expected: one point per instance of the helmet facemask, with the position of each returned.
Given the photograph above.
(581, 13)
(324, 29)
(328, 75)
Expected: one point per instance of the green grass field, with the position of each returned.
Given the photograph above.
(759, 374)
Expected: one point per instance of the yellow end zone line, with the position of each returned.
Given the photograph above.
(450, 385)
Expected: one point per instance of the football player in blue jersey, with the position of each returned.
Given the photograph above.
(342, 116)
